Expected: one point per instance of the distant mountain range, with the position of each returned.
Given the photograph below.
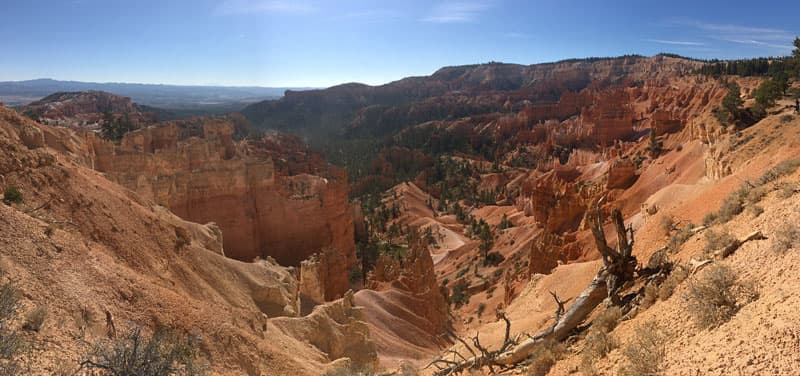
(191, 99)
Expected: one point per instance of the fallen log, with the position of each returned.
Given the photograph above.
(618, 268)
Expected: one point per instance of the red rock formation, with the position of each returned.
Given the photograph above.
(621, 174)
(84, 109)
(664, 122)
(203, 176)
(610, 117)
(404, 302)
(555, 203)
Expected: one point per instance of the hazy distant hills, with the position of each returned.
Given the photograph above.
(191, 99)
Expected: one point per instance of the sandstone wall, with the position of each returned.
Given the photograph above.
(260, 212)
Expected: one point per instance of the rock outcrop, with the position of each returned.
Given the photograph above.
(201, 174)
(90, 249)
(621, 174)
(85, 109)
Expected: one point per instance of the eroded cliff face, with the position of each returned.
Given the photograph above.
(202, 175)
(93, 252)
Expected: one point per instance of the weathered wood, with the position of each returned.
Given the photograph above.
(618, 268)
(727, 251)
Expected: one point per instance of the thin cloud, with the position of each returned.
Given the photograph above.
(370, 15)
(676, 42)
(232, 7)
(457, 12)
(753, 36)
(515, 35)
(759, 43)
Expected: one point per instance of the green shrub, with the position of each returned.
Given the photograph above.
(460, 296)
(493, 259)
(12, 195)
(481, 308)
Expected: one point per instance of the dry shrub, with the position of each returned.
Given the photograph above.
(35, 319)
(787, 236)
(666, 223)
(716, 240)
(645, 352)
(11, 344)
(781, 169)
(544, 357)
(787, 189)
(756, 195)
(607, 320)
(650, 295)
(598, 343)
(709, 219)
(755, 210)
(732, 206)
(677, 240)
(164, 353)
(678, 275)
(716, 295)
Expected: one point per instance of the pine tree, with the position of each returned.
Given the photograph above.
(796, 51)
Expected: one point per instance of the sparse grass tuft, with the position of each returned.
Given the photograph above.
(786, 237)
(781, 169)
(597, 345)
(675, 278)
(645, 353)
(716, 295)
(11, 343)
(544, 357)
(607, 320)
(35, 319)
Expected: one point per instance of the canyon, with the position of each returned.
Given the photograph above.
(427, 222)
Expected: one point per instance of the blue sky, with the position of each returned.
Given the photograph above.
(322, 43)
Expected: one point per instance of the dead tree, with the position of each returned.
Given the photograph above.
(618, 268)
(480, 357)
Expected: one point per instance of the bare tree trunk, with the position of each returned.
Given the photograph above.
(618, 268)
